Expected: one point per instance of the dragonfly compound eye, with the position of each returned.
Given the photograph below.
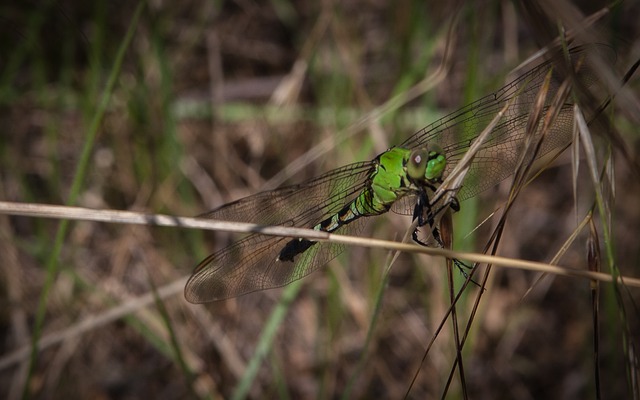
(417, 164)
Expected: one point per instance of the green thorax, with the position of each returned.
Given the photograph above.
(396, 173)
(401, 170)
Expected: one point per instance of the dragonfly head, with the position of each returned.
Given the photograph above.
(426, 163)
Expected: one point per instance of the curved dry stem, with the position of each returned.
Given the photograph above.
(130, 217)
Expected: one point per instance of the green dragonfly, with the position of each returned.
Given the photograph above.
(400, 179)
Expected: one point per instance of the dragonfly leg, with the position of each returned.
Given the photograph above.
(455, 204)
(428, 218)
(419, 214)
(423, 218)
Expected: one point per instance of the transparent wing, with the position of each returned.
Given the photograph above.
(497, 158)
(252, 264)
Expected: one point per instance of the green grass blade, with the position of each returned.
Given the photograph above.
(83, 165)
(265, 342)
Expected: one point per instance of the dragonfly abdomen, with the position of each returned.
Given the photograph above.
(362, 206)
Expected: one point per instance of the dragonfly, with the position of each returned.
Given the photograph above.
(400, 179)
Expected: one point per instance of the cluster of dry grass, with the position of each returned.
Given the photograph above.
(212, 102)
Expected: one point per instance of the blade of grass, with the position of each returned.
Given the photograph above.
(265, 342)
(593, 262)
(447, 235)
(83, 164)
(604, 210)
(375, 314)
(174, 341)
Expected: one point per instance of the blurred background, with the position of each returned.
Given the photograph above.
(213, 101)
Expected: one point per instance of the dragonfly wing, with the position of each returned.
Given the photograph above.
(302, 205)
(498, 156)
(405, 205)
(253, 263)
